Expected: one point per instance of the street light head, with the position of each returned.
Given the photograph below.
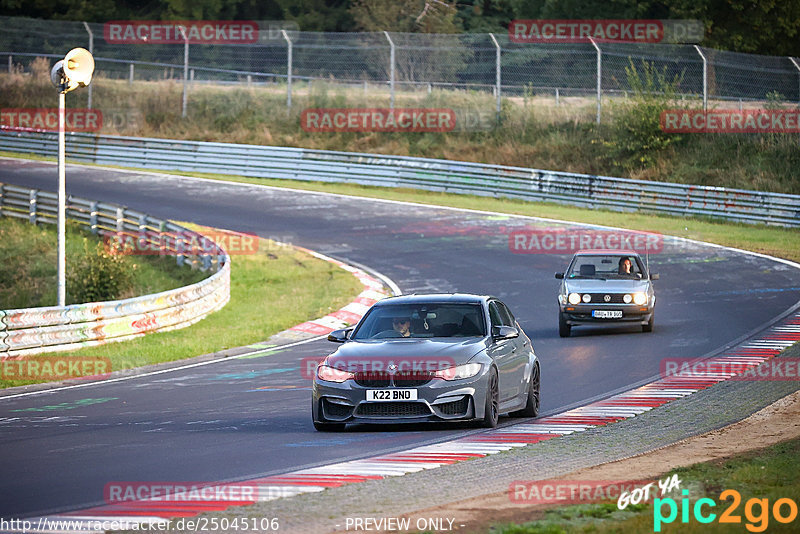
(74, 71)
(79, 66)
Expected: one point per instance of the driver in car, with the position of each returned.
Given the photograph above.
(402, 325)
(625, 266)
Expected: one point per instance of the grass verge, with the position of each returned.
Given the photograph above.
(28, 265)
(771, 474)
(533, 131)
(272, 290)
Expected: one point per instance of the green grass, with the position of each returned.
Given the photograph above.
(28, 265)
(271, 291)
(771, 473)
(533, 132)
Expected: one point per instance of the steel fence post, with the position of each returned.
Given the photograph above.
(185, 69)
(794, 62)
(599, 77)
(705, 77)
(391, 68)
(130, 75)
(91, 51)
(120, 220)
(289, 70)
(32, 201)
(498, 73)
(93, 217)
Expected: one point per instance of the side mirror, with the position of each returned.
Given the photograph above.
(504, 332)
(654, 276)
(560, 276)
(339, 336)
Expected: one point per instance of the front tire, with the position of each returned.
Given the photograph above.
(491, 408)
(531, 408)
(563, 327)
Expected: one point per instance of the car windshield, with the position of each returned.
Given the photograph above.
(606, 266)
(422, 321)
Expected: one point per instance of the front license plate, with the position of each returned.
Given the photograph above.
(391, 394)
(607, 314)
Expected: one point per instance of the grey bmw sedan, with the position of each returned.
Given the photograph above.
(437, 357)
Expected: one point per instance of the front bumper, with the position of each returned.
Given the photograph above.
(582, 313)
(438, 400)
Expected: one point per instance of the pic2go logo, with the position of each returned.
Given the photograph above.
(756, 511)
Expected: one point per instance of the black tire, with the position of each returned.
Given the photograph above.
(531, 408)
(563, 327)
(491, 408)
(329, 427)
(649, 326)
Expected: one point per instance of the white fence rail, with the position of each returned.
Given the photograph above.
(37, 330)
(430, 174)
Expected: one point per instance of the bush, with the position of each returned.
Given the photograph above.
(100, 273)
(637, 137)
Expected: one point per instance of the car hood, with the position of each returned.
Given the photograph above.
(606, 286)
(431, 354)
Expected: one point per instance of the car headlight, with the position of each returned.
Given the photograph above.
(332, 374)
(460, 371)
(574, 298)
(627, 299)
(639, 298)
(587, 298)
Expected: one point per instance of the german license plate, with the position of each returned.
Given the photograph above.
(391, 394)
(607, 314)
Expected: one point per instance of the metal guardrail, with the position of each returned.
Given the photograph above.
(429, 174)
(36, 330)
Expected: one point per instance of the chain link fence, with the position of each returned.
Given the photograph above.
(405, 64)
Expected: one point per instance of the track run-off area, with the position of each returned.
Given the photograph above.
(240, 419)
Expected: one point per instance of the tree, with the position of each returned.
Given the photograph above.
(406, 16)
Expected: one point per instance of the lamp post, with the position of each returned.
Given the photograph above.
(74, 71)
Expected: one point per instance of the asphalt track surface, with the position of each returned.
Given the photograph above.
(250, 417)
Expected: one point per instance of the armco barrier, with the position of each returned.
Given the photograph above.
(36, 330)
(430, 174)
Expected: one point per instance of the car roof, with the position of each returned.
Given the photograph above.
(415, 298)
(610, 252)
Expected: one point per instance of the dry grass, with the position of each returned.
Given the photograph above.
(534, 132)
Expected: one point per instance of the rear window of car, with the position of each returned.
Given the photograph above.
(424, 321)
